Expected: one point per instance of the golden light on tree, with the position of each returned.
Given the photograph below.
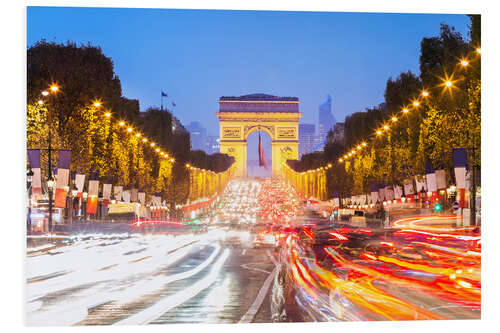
(130, 129)
(157, 149)
(97, 104)
(108, 114)
(386, 127)
(144, 140)
(329, 165)
(121, 123)
(405, 110)
(464, 62)
(478, 50)
(40, 102)
(358, 147)
(152, 144)
(379, 132)
(341, 160)
(345, 156)
(416, 103)
(138, 135)
(350, 154)
(364, 144)
(54, 88)
(394, 119)
(425, 93)
(45, 93)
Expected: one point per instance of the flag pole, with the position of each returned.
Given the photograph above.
(161, 93)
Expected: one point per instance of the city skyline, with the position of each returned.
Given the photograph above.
(308, 62)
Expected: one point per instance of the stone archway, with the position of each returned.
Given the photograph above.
(277, 116)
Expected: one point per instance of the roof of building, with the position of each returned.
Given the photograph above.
(258, 97)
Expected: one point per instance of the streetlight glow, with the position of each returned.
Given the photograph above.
(45, 93)
(54, 88)
(405, 110)
(379, 132)
(416, 103)
(464, 62)
(121, 123)
(394, 119)
(448, 83)
(97, 104)
(386, 127)
(425, 93)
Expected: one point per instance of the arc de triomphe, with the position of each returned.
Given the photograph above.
(277, 116)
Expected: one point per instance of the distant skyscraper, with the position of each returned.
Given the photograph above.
(198, 135)
(306, 138)
(326, 120)
(212, 144)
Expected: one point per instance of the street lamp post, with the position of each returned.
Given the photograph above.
(29, 179)
(72, 195)
(84, 197)
(50, 189)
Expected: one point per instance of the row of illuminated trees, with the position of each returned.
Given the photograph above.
(423, 118)
(105, 131)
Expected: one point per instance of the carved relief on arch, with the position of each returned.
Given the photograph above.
(270, 129)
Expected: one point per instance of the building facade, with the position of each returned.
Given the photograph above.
(307, 133)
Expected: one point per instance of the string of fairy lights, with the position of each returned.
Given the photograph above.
(448, 83)
(54, 88)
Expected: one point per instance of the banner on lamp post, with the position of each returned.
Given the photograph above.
(93, 194)
(36, 182)
(421, 183)
(389, 193)
(79, 183)
(440, 179)
(408, 187)
(118, 193)
(133, 195)
(460, 166)
(142, 197)
(373, 193)
(126, 196)
(398, 192)
(62, 187)
(106, 193)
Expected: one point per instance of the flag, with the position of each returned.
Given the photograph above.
(142, 197)
(62, 187)
(36, 182)
(118, 193)
(163, 94)
(93, 193)
(262, 157)
(460, 165)
(440, 179)
(126, 196)
(173, 104)
(106, 193)
(133, 195)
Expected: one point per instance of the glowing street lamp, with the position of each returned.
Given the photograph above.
(416, 103)
(97, 104)
(54, 88)
(394, 119)
(425, 93)
(448, 83)
(464, 63)
(121, 123)
(45, 93)
(405, 110)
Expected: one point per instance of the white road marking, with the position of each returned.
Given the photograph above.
(255, 268)
(158, 309)
(248, 317)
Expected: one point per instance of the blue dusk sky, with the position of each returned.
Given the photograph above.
(196, 56)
